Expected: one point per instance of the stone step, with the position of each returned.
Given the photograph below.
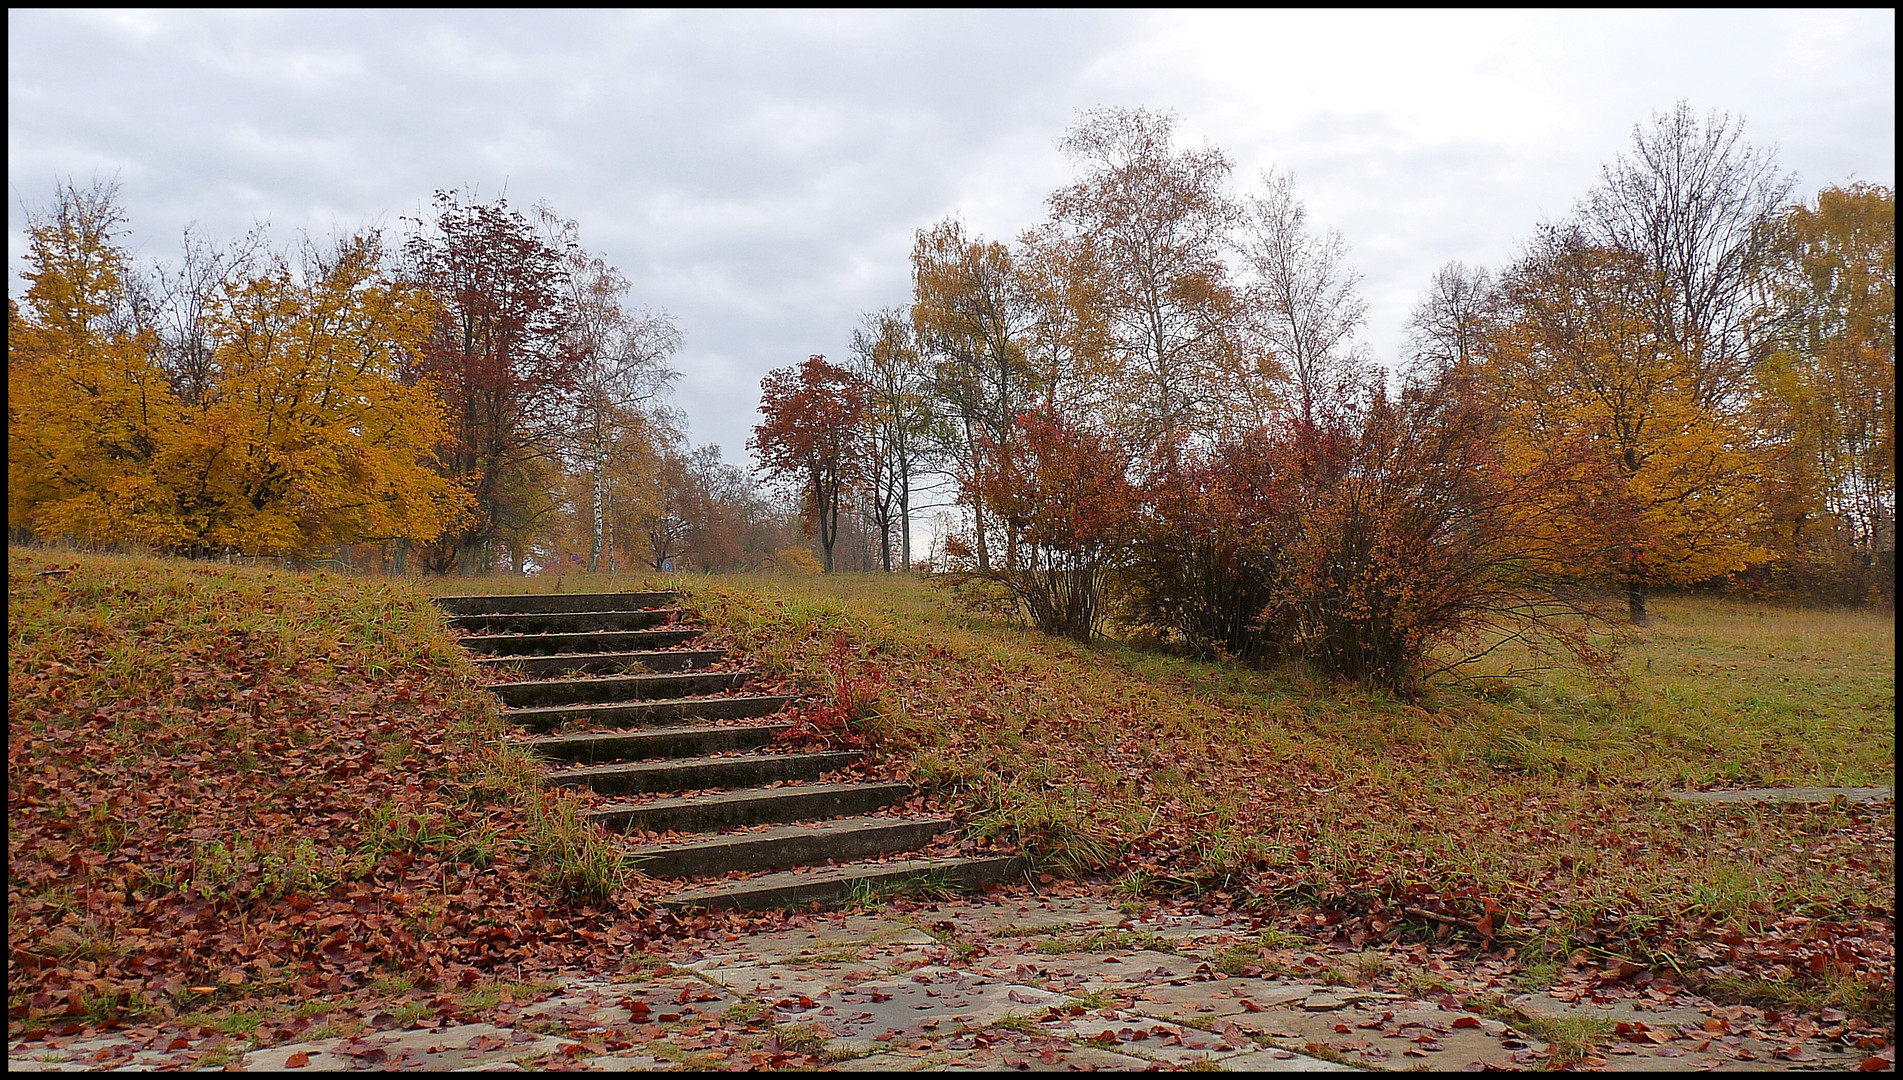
(792, 888)
(615, 688)
(565, 622)
(742, 770)
(787, 845)
(647, 713)
(542, 603)
(603, 663)
(705, 813)
(684, 741)
(597, 642)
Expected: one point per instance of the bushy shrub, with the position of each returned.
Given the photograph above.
(1064, 503)
(1356, 541)
(1207, 548)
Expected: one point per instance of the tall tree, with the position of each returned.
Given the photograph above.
(622, 356)
(308, 437)
(898, 415)
(810, 439)
(87, 406)
(970, 314)
(1450, 325)
(1826, 381)
(1692, 201)
(1304, 294)
(1154, 221)
(1645, 482)
(502, 357)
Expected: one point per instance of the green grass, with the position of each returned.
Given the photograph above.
(245, 739)
(1106, 941)
(1571, 1039)
(1168, 774)
(1541, 793)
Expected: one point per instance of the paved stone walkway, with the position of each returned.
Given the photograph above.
(1052, 985)
(1786, 795)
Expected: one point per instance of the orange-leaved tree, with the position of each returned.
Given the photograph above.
(1826, 386)
(810, 439)
(1646, 479)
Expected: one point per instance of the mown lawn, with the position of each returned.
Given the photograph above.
(1528, 809)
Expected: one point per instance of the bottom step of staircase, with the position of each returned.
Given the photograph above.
(798, 887)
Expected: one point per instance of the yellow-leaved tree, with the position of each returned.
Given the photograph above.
(311, 438)
(1825, 387)
(87, 406)
(1639, 477)
(304, 434)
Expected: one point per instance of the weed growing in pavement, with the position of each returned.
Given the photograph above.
(1571, 1039)
(799, 1038)
(1107, 941)
(1092, 999)
(747, 1011)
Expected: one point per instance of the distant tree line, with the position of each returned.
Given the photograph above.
(1154, 409)
(481, 395)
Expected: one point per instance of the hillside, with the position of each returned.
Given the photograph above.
(233, 784)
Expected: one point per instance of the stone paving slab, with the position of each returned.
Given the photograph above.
(1133, 1033)
(932, 990)
(1786, 795)
(480, 1046)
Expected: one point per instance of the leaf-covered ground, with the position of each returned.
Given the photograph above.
(230, 787)
(227, 783)
(1527, 817)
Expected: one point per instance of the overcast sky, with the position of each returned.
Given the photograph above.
(760, 175)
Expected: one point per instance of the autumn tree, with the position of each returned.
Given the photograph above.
(898, 423)
(1404, 548)
(622, 356)
(810, 439)
(1448, 329)
(1647, 482)
(183, 298)
(88, 408)
(1826, 384)
(274, 424)
(309, 437)
(504, 359)
(1692, 201)
(970, 315)
(1068, 499)
(1152, 223)
(1303, 295)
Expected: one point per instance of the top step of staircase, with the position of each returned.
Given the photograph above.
(554, 603)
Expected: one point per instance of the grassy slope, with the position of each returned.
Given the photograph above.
(1543, 800)
(1162, 772)
(226, 782)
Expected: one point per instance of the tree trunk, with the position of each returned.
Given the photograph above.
(905, 519)
(828, 536)
(1635, 593)
(594, 546)
(978, 528)
(402, 555)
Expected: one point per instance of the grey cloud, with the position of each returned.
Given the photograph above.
(760, 174)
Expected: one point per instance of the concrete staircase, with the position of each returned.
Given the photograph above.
(618, 700)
